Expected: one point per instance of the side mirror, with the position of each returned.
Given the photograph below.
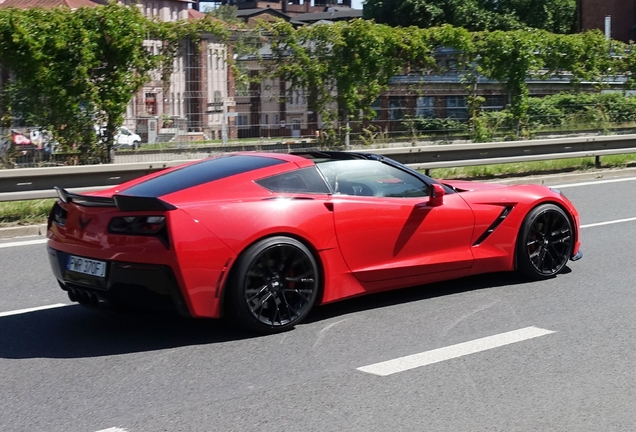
(436, 197)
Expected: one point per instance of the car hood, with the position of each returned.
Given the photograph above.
(470, 186)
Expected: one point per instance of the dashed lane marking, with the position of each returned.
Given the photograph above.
(33, 309)
(425, 358)
(608, 222)
(593, 183)
(22, 243)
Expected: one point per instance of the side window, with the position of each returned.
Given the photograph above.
(371, 178)
(306, 180)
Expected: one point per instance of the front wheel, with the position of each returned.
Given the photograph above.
(545, 242)
(274, 285)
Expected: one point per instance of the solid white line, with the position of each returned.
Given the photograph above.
(402, 364)
(591, 183)
(113, 429)
(22, 243)
(34, 309)
(608, 222)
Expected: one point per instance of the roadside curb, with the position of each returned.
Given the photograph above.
(563, 178)
(23, 231)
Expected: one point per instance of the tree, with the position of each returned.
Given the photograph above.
(349, 64)
(226, 13)
(558, 16)
(74, 69)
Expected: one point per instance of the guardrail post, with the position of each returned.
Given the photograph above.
(597, 161)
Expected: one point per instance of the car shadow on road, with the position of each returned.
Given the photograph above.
(422, 292)
(76, 332)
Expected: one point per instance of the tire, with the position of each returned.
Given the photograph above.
(135, 145)
(545, 242)
(274, 285)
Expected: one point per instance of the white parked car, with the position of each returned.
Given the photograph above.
(127, 139)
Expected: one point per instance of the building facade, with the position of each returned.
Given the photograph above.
(592, 15)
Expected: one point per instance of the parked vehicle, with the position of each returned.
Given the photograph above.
(125, 138)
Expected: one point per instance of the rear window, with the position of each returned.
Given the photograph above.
(306, 180)
(203, 172)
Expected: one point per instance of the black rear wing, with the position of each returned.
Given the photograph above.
(122, 202)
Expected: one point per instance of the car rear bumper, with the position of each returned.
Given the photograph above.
(126, 286)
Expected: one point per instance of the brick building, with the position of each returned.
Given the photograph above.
(592, 13)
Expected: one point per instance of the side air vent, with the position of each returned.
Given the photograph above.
(502, 216)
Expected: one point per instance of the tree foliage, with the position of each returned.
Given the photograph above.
(349, 64)
(557, 16)
(71, 70)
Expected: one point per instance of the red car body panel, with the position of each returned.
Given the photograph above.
(362, 243)
(409, 236)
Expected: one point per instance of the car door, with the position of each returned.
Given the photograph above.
(388, 228)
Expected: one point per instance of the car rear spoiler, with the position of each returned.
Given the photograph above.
(122, 202)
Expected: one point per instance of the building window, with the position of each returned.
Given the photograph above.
(242, 120)
(376, 106)
(493, 103)
(425, 106)
(456, 107)
(397, 105)
(151, 103)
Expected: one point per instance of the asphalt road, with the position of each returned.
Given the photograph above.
(70, 369)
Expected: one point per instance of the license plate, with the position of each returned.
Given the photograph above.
(86, 266)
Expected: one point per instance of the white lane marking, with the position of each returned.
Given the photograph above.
(33, 309)
(22, 243)
(113, 429)
(608, 222)
(402, 364)
(592, 183)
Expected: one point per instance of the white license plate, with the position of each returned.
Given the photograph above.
(86, 266)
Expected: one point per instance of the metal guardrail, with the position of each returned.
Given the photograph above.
(32, 183)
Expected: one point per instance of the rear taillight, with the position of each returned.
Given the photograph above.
(57, 215)
(140, 225)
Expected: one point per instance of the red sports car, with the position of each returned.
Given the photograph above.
(263, 237)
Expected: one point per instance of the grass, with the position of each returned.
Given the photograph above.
(36, 211)
(533, 168)
(30, 212)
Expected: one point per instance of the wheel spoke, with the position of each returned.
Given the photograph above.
(259, 305)
(258, 291)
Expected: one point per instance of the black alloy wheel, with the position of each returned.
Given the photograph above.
(275, 285)
(545, 242)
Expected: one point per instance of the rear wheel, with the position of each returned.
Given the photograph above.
(545, 242)
(274, 285)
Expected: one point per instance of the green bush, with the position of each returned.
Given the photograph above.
(574, 110)
(432, 124)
